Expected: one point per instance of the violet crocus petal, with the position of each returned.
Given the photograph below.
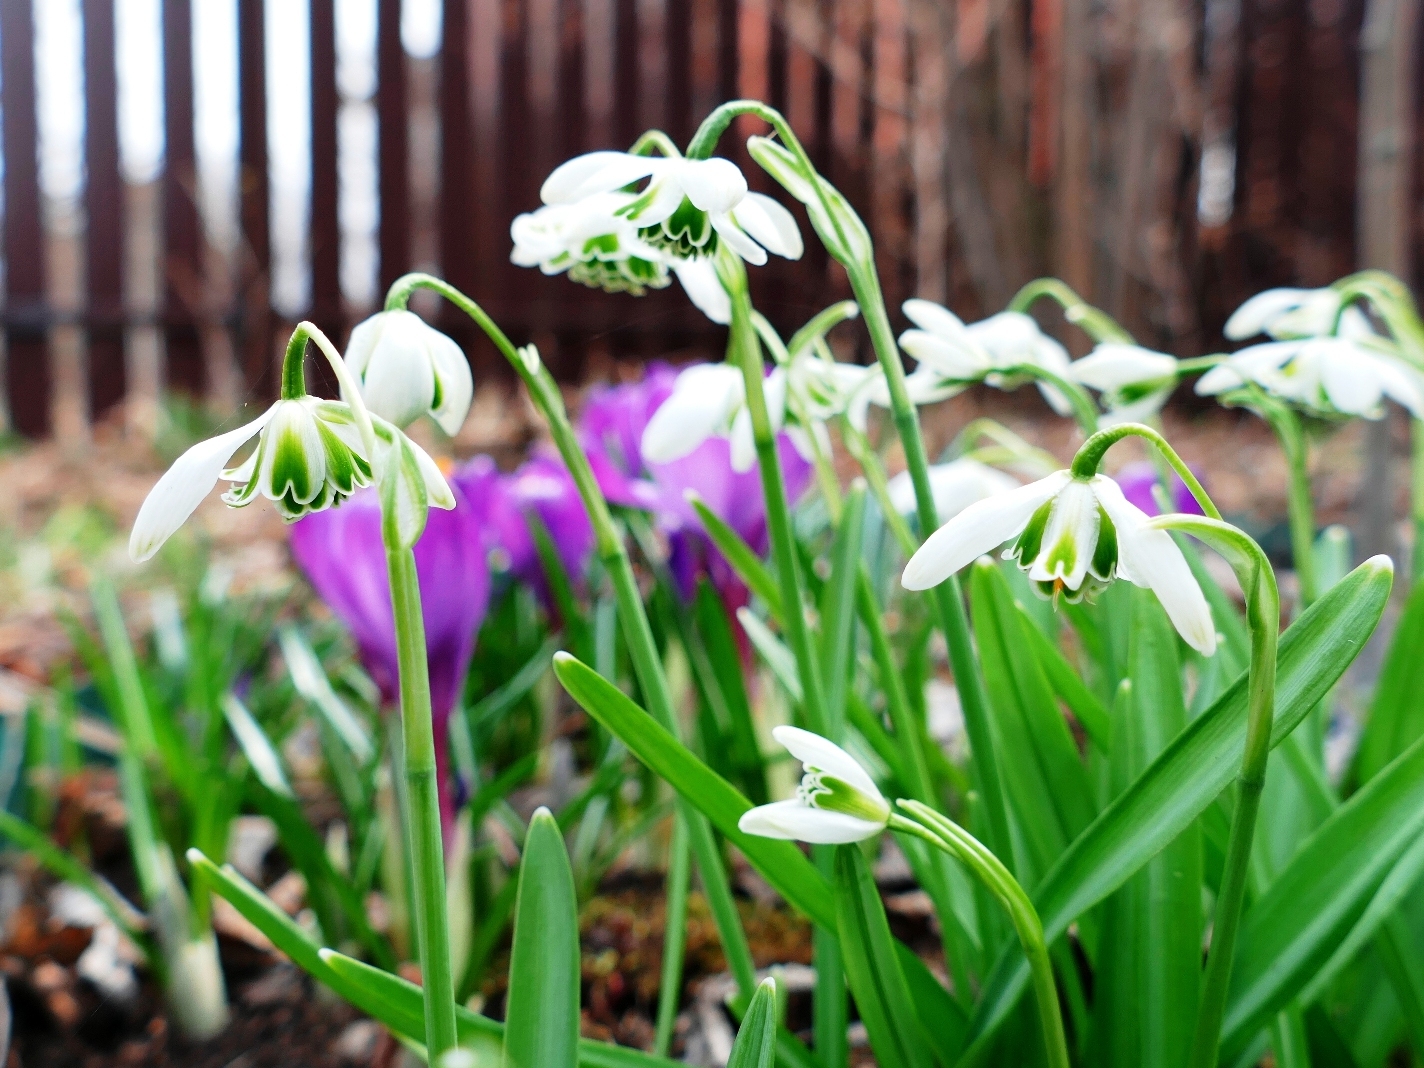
(543, 485)
(1138, 481)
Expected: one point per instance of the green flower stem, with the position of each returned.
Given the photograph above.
(947, 597)
(948, 836)
(1084, 410)
(642, 649)
(1263, 618)
(1199, 363)
(1299, 506)
(294, 381)
(864, 454)
(1094, 322)
(432, 931)
(674, 937)
(655, 140)
(1090, 456)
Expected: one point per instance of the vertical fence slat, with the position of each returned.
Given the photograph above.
(104, 207)
(182, 232)
(393, 159)
(326, 305)
(256, 349)
(678, 28)
(625, 73)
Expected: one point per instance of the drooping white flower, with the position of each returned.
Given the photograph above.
(837, 800)
(1072, 536)
(687, 206)
(593, 242)
(700, 282)
(1134, 381)
(408, 369)
(710, 400)
(954, 486)
(1325, 376)
(986, 351)
(1287, 314)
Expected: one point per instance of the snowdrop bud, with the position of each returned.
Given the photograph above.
(408, 369)
(836, 802)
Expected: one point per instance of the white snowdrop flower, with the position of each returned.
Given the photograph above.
(837, 800)
(1073, 536)
(308, 457)
(700, 282)
(1325, 376)
(986, 351)
(407, 369)
(590, 240)
(687, 207)
(1134, 381)
(924, 385)
(954, 486)
(1287, 314)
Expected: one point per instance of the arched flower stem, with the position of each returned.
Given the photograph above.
(294, 379)
(946, 835)
(608, 541)
(1096, 323)
(1090, 457)
(1084, 410)
(655, 140)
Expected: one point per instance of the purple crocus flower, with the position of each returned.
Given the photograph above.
(612, 427)
(344, 558)
(1139, 481)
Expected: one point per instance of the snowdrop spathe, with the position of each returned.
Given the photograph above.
(407, 369)
(1134, 381)
(960, 354)
(1073, 536)
(1331, 377)
(687, 207)
(837, 800)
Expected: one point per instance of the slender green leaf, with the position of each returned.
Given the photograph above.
(1296, 926)
(777, 656)
(838, 610)
(944, 1022)
(310, 680)
(756, 1038)
(1397, 711)
(713, 630)
(541, 1020)
(1192, 772)
(780, 863)
(256, 746)
(740, 555)
(872, 966)
(1071, 689)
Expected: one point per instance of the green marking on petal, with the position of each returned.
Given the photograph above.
(1025, 549)
(291, 473)
(686, 233)
(830, 794)
(1105, 552)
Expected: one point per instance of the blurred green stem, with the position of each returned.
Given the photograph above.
(948, 836)
(1299, 506)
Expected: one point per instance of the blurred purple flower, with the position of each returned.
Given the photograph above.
(1139, 481)
(344, 558)
(542, 485)
(612, 427)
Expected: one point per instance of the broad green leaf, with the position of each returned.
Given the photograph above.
(541, 1019)
(783, 865)
(740, 555)
(714, 631)
(1149, 951)
(1043, 775)
(1192, 771)
(756, 1038)
(381, 995)
(944, 1022)
(872, 966)
(1298, 923)
(1397, 711)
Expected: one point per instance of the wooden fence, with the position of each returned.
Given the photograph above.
(1166, 156)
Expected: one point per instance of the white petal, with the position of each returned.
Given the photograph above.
(701, 402)
(457, 383)
(727, 228)
(437, 490)
(1403, 384)
(594, 172)
(1256, 314)
(666, 198)
(977, 530)
(744, 456)
(399, 381)
(1348, 376)
(293, 426)
(961, 359)
(822, 754)
(714, 185)
(1222, 378)
(1113, 366)
(769, 223)
(183, 487)
(1074, 520)
(700, 283)
(793, 821)
(1151, 559)
(363, 342)
(935, 318)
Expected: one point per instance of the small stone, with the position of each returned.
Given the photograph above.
(357, 1044)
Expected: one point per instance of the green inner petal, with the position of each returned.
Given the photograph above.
(1105, 552)
(686, 233)
(1025, 550)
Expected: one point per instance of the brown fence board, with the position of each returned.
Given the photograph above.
(255, 342)
(394, 150)
(183, 288)
(104, 211)
(326, 304)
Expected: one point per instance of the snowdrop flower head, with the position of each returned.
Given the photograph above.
(1286, 314)
(709, 400)
(1134, 382)
(591, 241)
(837, 800)
(407, 369)
(687, 207)
(1331, 377)
(309, 456)
(955, 486)
(1072, 536)
(986, 351)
